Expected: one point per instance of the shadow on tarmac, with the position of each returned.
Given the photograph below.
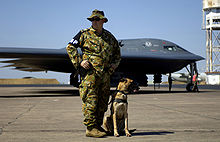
(152, 133)
(141, 133)
(166, 92)
(45, 93)
(73, 93)
(1, 131)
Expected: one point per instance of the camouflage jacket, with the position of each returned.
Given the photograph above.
(102, 51)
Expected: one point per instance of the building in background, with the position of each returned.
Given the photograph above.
(211, 24)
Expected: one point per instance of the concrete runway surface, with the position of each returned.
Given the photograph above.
(53, 114)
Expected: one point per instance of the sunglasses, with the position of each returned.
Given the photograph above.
(95, 19)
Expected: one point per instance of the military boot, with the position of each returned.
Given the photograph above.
(94, 132)
(103, 130)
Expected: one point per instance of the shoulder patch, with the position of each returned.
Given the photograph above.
(76, 39)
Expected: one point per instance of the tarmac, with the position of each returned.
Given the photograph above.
(53, 114)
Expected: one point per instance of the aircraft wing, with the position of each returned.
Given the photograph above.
(33, 60)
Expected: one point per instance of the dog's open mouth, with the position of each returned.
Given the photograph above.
(136, 90)
(133, 88)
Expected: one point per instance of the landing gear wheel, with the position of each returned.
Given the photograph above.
(189, 87)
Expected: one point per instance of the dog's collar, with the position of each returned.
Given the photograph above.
(120, 101)
(122, 92)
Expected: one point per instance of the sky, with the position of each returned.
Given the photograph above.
(53, 23)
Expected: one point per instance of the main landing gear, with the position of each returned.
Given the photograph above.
(192, 85)
(192, 82)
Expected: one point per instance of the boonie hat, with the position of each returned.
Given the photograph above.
(99, 14)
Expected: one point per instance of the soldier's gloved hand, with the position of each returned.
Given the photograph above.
(85, 64)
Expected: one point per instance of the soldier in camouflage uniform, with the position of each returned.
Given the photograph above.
(100, 57)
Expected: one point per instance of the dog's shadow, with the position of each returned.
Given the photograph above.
(142, 133)
(135, 132)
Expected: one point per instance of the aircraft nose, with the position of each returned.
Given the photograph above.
(198, 58)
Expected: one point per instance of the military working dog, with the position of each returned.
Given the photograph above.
(117, 121)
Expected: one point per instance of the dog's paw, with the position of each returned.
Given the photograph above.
(128, 134)
(116, 134)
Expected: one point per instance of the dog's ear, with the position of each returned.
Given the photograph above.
(123, 80)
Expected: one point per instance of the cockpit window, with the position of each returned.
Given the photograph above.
(170, 48)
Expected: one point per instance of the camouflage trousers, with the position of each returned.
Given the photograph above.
(94, 92)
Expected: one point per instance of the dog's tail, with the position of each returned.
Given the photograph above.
(131, 131)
